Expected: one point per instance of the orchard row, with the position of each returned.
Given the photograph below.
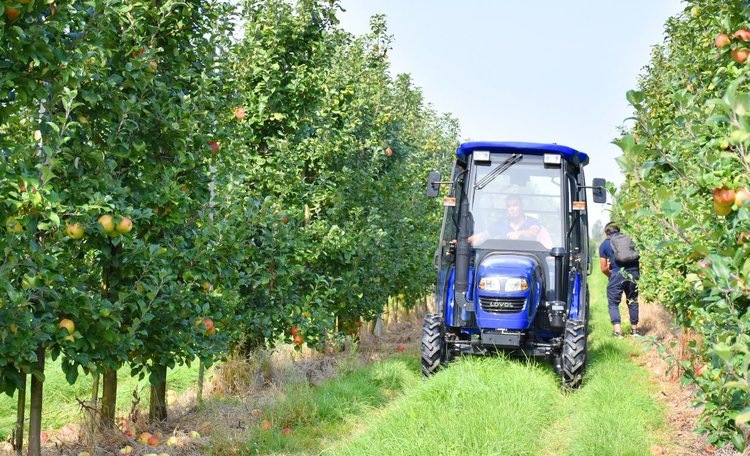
(185, 179)
(685, 199)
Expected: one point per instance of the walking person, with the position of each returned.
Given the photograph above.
(623, 276)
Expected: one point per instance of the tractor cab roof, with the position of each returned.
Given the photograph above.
(567, 153)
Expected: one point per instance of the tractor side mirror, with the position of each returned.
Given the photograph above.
(433, 184)
(599, 191)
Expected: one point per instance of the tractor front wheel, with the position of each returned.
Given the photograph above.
(574, 353)
(433, 345)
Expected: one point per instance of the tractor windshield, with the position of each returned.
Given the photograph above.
(522, 203)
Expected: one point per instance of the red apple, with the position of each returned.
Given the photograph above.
(143, 438)
(266, 425)
(124, 226)
(722, 40)
(294, 330)
(299, 339)
(209, 324)
(723, 195)
(286, 431)
(152, 441)
(12, 13)
(214, 146)
(388, 152)
(742, 34)
(740, 54)
(240, 113)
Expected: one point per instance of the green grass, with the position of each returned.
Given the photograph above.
(615, 412)
(61, 407)
(321, 416)
(478, 406)
(488, 406)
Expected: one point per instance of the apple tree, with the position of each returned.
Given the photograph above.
(685, 162)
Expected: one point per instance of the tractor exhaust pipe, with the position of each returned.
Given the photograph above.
(463, 256)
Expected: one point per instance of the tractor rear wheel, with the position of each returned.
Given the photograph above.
(574, 353)
(433, 344)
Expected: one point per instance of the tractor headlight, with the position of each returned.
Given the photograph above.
(503, 283)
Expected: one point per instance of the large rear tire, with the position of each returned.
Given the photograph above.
(433, 345)
(574, 353)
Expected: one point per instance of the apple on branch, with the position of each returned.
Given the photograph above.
(209, 325)
(741, 197)
(740, 54)
(722, 40)
(74, 230)
(68, 325)
(107, 223)
(124, 225)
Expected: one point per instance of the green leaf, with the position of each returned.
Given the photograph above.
(723, 351)
(635, 98)
(54, 127)
(671, 208)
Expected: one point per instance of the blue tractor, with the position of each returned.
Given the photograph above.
(513, 257)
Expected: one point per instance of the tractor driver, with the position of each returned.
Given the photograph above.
(516, 226)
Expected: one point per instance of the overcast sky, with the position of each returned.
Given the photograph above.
(536, 71)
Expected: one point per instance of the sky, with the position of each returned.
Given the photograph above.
(533, 70)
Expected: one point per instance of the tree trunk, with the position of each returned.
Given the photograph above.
(158, 406)
(109, 398)
(35, 412)
(20, 417)
(95, 390)
(201, 378)
(377, 330)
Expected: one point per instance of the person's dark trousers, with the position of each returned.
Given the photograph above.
(615, 287)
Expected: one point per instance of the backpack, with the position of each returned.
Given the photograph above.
(626, 254)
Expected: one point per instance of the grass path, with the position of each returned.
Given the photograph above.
(494, 406)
